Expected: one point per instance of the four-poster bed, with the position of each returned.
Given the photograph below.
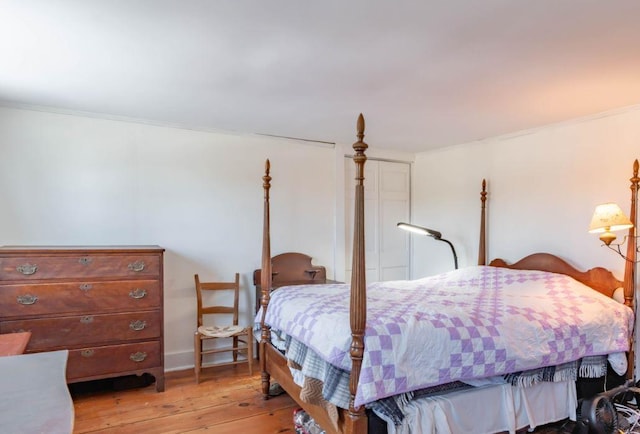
(360, 370)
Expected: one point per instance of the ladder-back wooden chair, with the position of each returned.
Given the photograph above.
(240, 336)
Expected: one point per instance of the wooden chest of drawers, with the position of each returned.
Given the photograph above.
(103, 304)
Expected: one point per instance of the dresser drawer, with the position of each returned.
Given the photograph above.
(30, 299)
(99, 361)
(77, 266)
(73, 331)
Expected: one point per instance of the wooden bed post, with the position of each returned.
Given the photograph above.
(356, 423)
(632, 245)
(482, 248)
(265, 281)
(630, 266)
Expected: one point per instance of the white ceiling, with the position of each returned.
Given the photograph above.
(425, 74)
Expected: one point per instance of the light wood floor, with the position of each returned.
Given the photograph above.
(227, 401)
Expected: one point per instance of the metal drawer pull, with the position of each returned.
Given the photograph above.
(87, 353)
(27, 269)
(136, 266)
(137, 293)
(27, 299)
(85, 286)
(85, 261)
(138, 357)
(137, 325)
(88, 319)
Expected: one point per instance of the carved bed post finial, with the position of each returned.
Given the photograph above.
(267, 178)
(482, 248)
(357, 418)
(265, 281)
(360, 128)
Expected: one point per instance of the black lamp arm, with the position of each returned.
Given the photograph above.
(431, 233)
(455, 257)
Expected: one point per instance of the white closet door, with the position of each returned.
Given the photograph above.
(393, 207)
(387, 202)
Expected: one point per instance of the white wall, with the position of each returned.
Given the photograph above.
(74, 180)
(543, 187)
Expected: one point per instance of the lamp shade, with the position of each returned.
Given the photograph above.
(420, 230)
(608, 217)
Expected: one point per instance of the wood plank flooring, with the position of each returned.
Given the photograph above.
(227, 401)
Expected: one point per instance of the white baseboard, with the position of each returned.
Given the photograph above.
(180, 361)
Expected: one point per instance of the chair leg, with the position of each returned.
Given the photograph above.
(235, 351)
(250, 351)
(197, 350)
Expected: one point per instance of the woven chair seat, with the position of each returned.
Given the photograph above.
(220, 332)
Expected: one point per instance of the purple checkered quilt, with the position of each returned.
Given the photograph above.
(470, 323)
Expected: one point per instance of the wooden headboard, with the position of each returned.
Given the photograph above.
(292, 268)
(600, 279)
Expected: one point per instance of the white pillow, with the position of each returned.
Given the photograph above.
(618, 295)
(618, 362)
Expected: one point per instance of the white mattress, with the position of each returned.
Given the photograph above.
(490, 409)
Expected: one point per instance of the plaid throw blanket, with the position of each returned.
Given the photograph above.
(587, 367)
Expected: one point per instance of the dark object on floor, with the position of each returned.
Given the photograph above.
(581, 427)
(275, 389)
(599, 413)
(133, 381)
(565, 426)
(117, 383)
(304, 424)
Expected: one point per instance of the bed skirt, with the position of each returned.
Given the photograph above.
(511, 408)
